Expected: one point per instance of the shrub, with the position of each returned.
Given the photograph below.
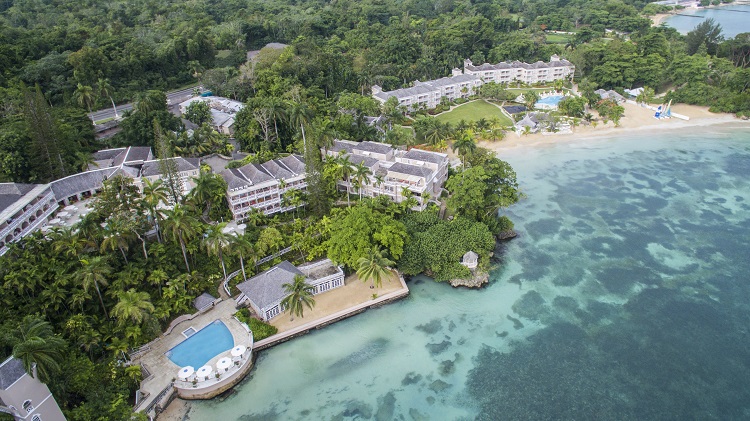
(460, 100)
(261, 330)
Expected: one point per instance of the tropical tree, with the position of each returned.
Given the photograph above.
(361, 176)
(133, 306)
(215, 242)
(241, 247)
(299, 295)
(374, 267)
(84, 95)
(116, 236)
(464, 144)
(530, 98)
(94, 271)
(299, 115)
(209, 189)
(35, 344)
(104, 88)
(155, 192)
(344, 170)
(180, 226)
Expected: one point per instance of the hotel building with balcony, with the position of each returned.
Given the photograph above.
(23, 209)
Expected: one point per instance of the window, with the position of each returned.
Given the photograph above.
(36, 418)
(27, 406)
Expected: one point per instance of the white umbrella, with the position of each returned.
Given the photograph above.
(241, 226)
(238, 350)
(224, 363)
(54, 221)
(185, 372)
(70, 208)
(204, 371)
(227, 230)
(63, 214)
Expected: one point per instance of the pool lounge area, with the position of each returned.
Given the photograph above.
(202, 346)
(549, 102)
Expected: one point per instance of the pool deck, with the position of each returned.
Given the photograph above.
(162, 371)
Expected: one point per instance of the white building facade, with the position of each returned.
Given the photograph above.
(23, 209)
(25, 397)
(516, 71)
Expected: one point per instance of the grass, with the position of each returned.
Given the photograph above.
(473, 111)
(558, 38)
(104, 120)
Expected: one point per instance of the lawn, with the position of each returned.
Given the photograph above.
(473, 111)
(553, 38)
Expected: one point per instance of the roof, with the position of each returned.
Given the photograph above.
(431, 86)
(528, 120)
(81, 182)
(151, 168)
(293, 163)
(369, 162)
(470, 256)
(373, 147)
(514, 109)
(118, 156)
(425, 156)
(414, 170)
(10, 193)
(342, 145)
(10, 371)
(266, 289)
(204, 300)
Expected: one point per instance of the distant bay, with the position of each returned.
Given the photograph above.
(734, 19)
(625, 296)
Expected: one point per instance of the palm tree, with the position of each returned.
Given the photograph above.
(133, 306)
(181, 227)
(241, 247)
(85, 96)
(154, 193)
(94, 272)
(104, 88)
(299, 115)
(116, 237)
(374, 267)
(277, 111)
(361, 176)
(345, 170)
(464, 145)
(300, 294)
(35, 344)
(530, 98)
(209, 189)
(379, 182)
(215, 242)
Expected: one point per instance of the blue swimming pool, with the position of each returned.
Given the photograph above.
(203, 345)
(550, 101)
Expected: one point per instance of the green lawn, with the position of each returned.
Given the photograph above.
(558, 38)
(473, 111)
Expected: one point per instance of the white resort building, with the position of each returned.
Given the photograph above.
(223, 111)
(23, 209)
(264, 292)
(463, 84)
(421, 172)
(261, 186)
(187, 170)
(25, 397)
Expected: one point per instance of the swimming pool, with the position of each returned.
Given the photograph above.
(549, 102)
(203, 345)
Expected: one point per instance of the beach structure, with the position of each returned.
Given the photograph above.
(610, 95)
(264, 292)
(23, 209)
(528, 124)
(261, 187)
(223, 111)
(470, 260)
(418, 171)
(24, 397)
(516, 71)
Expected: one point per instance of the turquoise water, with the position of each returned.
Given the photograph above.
(552, 100)
(205, 344)
(625, 297)
(734, 19)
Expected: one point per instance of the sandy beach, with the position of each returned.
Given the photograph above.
(658, 18)
(636, 120)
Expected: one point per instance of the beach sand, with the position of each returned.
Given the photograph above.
(636, 120)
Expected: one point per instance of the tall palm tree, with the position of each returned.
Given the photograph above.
(215, 242)
(361, 176)
(374, 267)
(379, 180)
(530, 98)
(181, 226)
(209, 189)
(94, 271)
(35, 344)
(299, 115)
(154, 193)
(104, 88)
(345, 170)
(300, 294)
(464, 144)
(277, 112)
(133, 306)
(241, 247)
(116, 237)
(85, 96)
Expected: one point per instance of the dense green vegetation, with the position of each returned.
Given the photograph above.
(260, 329)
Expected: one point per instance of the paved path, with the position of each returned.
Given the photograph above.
(173, 98)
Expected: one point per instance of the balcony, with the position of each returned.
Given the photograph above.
(48, 199)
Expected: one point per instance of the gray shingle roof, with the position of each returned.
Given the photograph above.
(452, 80)
(293, 163)
(234, 179)
(183, 164)
(10, 371)
(11, 192)
(369, 162)
(138, 153)
(254, 173)
(202, 301)
(107, 154)
(266, 289)
(342, 145)
(405, 92)
(425, 156)
(81, 182)
(373, 147)
(275, 170)
(414, 170)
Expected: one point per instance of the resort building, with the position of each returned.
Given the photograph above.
(23, 209)
(25, 397)
(614, 95)
(264, 292)
(262, 187)
(187, 170)
(132, 156)
(223, 111)
(394, 171)
(506, 72)
(428, 94)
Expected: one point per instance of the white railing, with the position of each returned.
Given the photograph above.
(7, 230)
(250, 196)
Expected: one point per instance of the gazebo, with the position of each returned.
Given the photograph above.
(470, 259)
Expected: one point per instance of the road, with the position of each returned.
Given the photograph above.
(173, 98)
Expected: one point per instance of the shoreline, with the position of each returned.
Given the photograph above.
(659, 18)
(637, 120)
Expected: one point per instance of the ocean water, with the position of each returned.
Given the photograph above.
(626, 296)
(734, 19)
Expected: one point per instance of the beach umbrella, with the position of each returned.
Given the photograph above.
(204, 371)
(224, 364)
(185, 372)
(238, 350)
